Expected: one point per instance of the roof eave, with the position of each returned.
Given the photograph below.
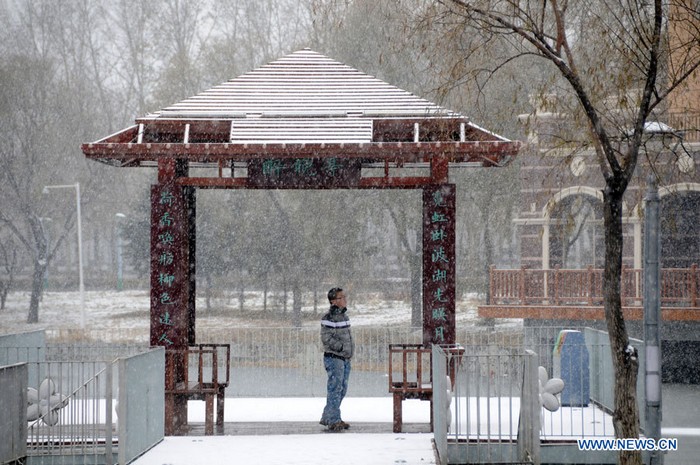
(491, 153)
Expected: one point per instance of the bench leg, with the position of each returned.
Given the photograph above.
(397, 412)
(209, 414)
(431, 415)
(220, 411)
(175, 415)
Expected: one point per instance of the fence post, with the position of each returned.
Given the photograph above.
(439, 373)
(521, 285)
(109, 455)
(529, 423)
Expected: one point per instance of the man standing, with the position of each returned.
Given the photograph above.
(337, 351)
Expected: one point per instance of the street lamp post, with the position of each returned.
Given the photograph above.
(652, 318)
(76, 186)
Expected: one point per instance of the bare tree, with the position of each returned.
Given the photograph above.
(134, 56)
(11, 265)
(51, 74)
(27, 111)
(612, 63)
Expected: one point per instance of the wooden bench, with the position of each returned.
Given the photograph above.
(410, 376)
(179, 387)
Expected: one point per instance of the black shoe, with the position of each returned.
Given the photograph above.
(323, 422)
(335, 427)
(344, 425)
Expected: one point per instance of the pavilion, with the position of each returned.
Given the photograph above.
(304, 121)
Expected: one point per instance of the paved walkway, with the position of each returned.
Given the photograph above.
(350, 447)
(681, 420)
(298, 440)
(269, 431)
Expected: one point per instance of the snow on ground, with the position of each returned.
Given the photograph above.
(308, 409)
(309, 449)
(128, 311)
(345, 448)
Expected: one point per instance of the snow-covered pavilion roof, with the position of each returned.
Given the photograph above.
(303, 105)
(300, 85)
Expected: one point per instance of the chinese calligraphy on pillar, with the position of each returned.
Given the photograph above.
(439, 264)
(169, 266)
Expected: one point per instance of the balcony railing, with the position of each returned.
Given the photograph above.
(688, 124)
(679, 287)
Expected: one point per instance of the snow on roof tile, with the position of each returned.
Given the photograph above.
(304, 84)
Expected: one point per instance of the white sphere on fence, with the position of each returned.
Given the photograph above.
(46, 388)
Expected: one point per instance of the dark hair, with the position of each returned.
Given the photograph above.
(333, 293)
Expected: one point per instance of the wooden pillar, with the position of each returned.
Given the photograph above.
(172, 278)
(439, 264)
(191, 201)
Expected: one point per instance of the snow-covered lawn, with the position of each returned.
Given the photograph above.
(126, 313)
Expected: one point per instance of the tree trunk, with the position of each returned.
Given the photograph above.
(296, 304)
(241, 295)
(207, 296)
(265, 289)
(625, 360)
(315, 301)
(37, 290)
(284, 296)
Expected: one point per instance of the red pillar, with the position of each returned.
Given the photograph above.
(172, 282)
(439, 264)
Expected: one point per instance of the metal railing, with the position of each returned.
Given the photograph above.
(486, 407)
(74, 423)
(688, 123)
(13, 399)
(680, 287)
(288, 362)
(493, 418)
(72, 401)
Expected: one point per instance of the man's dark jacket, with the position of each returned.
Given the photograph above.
(335, 333)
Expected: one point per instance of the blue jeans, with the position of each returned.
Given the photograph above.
(338, 373)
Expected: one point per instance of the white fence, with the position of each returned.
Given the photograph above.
(495, 415)
(72, 393)
(287, 362)
(490, 412)
(13, 401)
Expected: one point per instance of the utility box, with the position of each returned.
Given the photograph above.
(572, 364)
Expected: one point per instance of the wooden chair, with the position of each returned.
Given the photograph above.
(410, 375)
(179, 387)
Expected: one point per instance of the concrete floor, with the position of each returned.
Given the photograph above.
(680, 406)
